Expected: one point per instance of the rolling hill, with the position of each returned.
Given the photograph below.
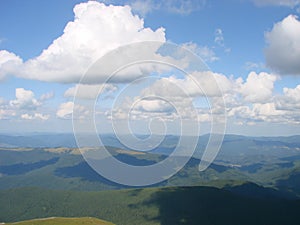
(252, 181)
(64, 168)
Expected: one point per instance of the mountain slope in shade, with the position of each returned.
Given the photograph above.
(154, 206)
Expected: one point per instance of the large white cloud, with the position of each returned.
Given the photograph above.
(96, 30)
(258, 88)
(283, 49)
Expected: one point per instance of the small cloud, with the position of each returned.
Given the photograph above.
(206, 53)
(35, 116)
(220, 41)
(47, 96)
(2, 40)
(5, 111)
(85, 91)
(67, 109)
(143, 7)
(285, 3)
(6, 114)
(250, 66)
(2, 101)
(154, 105)
(290, 100)
(181, 7)
(24, 100)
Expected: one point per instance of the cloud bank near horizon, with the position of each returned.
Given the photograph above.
(98, 29)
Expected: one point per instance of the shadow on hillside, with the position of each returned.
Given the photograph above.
(21, 168)
(207, 206)
(290, 184)
(84, 172)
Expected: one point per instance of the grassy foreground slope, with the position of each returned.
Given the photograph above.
(165, 206)
(63, 221)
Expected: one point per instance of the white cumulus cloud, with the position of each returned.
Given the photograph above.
(67, 109)
(250, 100)
(200, 97)
(290, 99)
(154, 105)
(96, 30)
(196, 84)
(8, 63)
(35, 116)
(24, 106)
(6, 113)
(283, 46)
(25, 99)
(258, 88)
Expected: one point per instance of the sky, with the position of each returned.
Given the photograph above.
(244, 77)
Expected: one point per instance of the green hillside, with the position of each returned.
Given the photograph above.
(65, 169)
(153, 206)
(63, 221)
(259, 186)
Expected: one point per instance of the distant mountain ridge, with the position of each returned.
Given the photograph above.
(68, 140)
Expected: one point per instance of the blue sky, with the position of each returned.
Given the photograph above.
(251, 47)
